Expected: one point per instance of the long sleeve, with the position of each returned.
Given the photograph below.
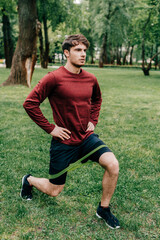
(96, 101)
(32, 103)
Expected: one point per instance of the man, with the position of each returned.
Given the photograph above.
(75, 99)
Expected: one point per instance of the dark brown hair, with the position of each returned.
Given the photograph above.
(73, 40)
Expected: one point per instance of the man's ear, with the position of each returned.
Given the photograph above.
(66, 53)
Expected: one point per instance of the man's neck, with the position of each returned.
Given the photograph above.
(72, 68)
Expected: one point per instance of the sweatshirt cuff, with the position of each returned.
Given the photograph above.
(50, 129)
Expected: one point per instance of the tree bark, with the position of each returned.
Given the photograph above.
(25, 56)
(131, 55)
(125, 55)
(147, 69)
(156, 58)
(7, 38)
(44, 41)
(45, 53)
(41, 48)
(103, 51)
(118, 55)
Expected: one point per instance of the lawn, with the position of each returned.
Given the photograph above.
(129, 124)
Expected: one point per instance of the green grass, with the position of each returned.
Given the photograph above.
(128, 124)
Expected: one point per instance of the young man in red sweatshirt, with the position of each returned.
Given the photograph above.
(75, 100)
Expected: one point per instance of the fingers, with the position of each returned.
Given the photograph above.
(66, 130)
(64, 134)
(61, 133)
(90, 127)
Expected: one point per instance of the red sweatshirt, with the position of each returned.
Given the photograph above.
(75, 100)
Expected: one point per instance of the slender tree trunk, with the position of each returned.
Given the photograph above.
(118, 55)
(131, 55)
(111, 55)
(41, 49)
(145, 69)
(44, 45)
(151, 54)
(7, 38)
(24, 58)
(125, 55)
(46, 52)
(92, 58)
(156, 58)
(143, 54)
(103, 51)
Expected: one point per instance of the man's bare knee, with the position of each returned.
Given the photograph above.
(110, 163)
(113, 167)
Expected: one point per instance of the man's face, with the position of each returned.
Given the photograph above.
(77, 55)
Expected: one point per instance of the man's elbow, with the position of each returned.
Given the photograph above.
(25, 104)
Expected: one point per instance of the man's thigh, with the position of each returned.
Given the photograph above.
(61, 155)
(90, 144)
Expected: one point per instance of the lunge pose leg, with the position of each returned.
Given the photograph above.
(111, 166)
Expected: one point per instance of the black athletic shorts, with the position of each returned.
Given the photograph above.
(61, 155)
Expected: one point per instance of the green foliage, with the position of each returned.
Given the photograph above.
(8, 8)
(152, 31)
(110, 17)
(128, 124)
(121, 20)
(52, 10)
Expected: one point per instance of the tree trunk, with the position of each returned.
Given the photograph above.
(24, 58)
(46, 41)
(111, 54)
(92, 58)
(125, 55)
(44, 45)
(45, 58)
(118, 55)
(41, 48)
(7, 38)
(147, 69)
(103, 51)
(131, 55)
(156, 58)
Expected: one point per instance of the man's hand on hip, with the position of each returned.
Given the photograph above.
(90, 127)
(62, 133)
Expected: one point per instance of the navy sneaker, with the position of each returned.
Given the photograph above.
(26, 190)
(110, 220)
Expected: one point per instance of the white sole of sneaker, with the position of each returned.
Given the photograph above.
(106, 223)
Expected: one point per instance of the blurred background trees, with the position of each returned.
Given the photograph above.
(121, 32)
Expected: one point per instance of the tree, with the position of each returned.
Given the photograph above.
(109, 20)
(24, 58)
(50, 14)
(150, 30)
(7, 10)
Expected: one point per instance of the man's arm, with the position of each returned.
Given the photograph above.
(32, 107)
(35, 98)
(96, 101)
